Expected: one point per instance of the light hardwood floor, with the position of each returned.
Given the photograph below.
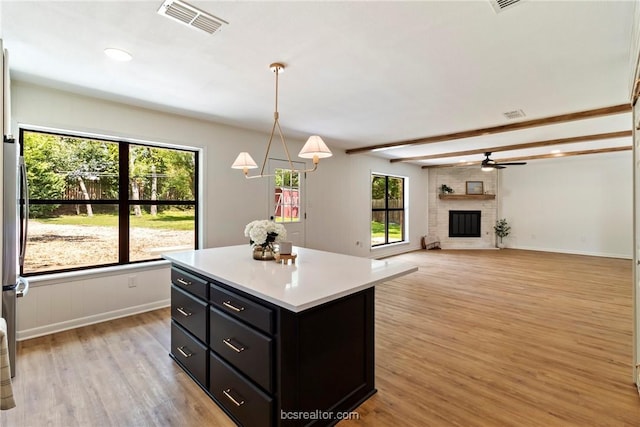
(474, 338)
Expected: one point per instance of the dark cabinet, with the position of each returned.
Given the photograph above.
(252, 313)
(248, 350)
(189, 352)
(189, 321)
(189, 283)
(190, 312)
(246, 402)
(267, 366)
(223, 341)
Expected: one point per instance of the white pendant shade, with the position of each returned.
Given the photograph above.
(315, 147)
(244, 161)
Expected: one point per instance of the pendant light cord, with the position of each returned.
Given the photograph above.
(276, 124)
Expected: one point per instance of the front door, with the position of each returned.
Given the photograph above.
(286, 189)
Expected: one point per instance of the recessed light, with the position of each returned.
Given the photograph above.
(556, 151)
(118, 54)
(462, 161)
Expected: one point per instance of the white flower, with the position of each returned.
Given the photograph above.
(263, 232)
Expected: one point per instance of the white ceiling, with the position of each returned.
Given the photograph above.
(358, 73)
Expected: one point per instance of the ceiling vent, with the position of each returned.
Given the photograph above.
(191, 16)
(515, 114)
(500, 5)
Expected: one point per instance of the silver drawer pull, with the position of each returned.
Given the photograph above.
(227, 393)
(233, 347)
(183, 312)
(183, 352)
(183, 282)
(231, 306)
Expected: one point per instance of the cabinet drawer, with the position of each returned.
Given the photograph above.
(189, 352)
(243, 347)
(253, 313)
(189, 282)
(250, 406)
(190, 312)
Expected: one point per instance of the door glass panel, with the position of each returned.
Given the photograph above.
(286, 196)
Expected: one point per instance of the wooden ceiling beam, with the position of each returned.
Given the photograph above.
(598, 112)
(537, 144)
(535, 157)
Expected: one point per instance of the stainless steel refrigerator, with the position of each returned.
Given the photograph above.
(15, 213)
(13, 241)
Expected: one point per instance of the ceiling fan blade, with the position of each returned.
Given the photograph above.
(490, 163)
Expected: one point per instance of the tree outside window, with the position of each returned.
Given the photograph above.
(96, 202)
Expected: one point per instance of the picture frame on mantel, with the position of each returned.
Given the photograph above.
(475, 187)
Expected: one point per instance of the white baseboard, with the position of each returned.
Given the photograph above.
(490, 248)
(572, 252)
(90, 320)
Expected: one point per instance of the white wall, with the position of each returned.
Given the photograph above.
(338, 198)
(58, 304)
(339, 205)
(579, 205)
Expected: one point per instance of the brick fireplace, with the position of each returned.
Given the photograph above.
(478, 236)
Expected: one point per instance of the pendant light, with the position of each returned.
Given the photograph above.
(314, 148)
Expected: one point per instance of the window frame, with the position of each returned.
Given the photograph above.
(282, 204)
(387, 210)
(123, 201)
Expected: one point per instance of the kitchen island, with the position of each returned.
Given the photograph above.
(278, 344)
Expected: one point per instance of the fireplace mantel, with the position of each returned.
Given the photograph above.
(467, 196)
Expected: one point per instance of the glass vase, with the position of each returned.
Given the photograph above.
(263, 253)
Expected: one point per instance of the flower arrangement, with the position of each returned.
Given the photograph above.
(446, 189)
(264, 233)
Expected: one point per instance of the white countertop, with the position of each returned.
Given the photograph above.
(316, 277)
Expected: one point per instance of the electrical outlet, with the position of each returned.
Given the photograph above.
(132, 281)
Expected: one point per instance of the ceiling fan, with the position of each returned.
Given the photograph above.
(489, 164)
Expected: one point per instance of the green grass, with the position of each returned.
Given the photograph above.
(377, 230)
(172, 220)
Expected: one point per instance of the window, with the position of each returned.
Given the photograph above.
(97, 202)
(286, 196)
(387, 210)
